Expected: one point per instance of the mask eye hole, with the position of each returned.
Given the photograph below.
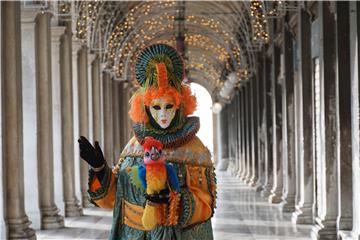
(169, 106)
(160, 151)
(156, 107)
(147, 154)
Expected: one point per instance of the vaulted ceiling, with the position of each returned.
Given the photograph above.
(218, 36)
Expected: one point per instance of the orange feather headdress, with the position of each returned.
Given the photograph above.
(159, 70)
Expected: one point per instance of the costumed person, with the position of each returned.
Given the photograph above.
(160, 109)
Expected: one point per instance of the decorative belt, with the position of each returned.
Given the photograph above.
(167, 214)
(132, 215)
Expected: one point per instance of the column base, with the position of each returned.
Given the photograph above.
(19, 229)
(266, 191)
(238, 174)
(243, 177)
(248, 179)
(73, 209)
(276, 196)
(259, 187)
(50, 218)
(345, 235)
(303, 215)
(355, 235)
(289, 204)
(86, 201)
(324, 230)
(345, 224)
(254, 181)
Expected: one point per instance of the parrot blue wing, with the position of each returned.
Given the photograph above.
(135, 179)
(142, 176)
(172, 178)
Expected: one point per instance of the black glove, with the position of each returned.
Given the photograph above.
(162, 197)
(92, 155)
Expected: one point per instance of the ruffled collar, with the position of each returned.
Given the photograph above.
(170, 139)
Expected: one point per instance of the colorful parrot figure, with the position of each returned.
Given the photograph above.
(154, 178)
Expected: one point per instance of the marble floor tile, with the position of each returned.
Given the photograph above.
(241, 214)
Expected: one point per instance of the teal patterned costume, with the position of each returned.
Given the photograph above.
(159, 72)
(191, 161)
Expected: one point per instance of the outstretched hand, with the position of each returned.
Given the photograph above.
(92, 155)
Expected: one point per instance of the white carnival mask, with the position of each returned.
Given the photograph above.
(163, 112)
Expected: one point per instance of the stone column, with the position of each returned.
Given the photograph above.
(224, 137)
(216, 128)
(249, 105)
(354, 15)
(72, 207)
(122, 115)
(95, 77)
(82, 63)
(56, 33)
(241, 129)
(76, 46)
(277, 123)
(231, 128)
(2, 192)
(126, 118)
(261, 121)
(251, 131)
(255, 127)
(271, 122)
(305, 207)
(325, 227)
(246, 145)
(344, 85)
(29, 115)
(235, 138)
(116, 120)
(129, 123)
(108, 131)
(50, 218)
(269, 79)
(239, 160)
(11, 98)
(289, 123)
(264, 129)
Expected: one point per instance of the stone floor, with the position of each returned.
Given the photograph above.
(241, 215)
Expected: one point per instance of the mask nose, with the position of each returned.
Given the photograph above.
(154, 154)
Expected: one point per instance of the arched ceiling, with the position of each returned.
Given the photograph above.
(218, 35)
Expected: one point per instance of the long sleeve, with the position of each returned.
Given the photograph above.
(102, 192)
(198, 196)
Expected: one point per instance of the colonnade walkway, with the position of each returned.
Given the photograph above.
(241, 214)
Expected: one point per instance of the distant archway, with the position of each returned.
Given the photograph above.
(204, 111)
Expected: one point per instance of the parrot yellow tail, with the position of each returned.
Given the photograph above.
(149, 217)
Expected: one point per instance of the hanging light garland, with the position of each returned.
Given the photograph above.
(274, 9)
(150, 32)
(128, 36)
(64, 7)
(87, 14)
(259, 22)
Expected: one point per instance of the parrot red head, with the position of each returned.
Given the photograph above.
(153, 151)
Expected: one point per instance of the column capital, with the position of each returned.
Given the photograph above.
(28, 19)
(76, 46)
(91, 57)
(28, 15)
(56, 33)
(103, 67)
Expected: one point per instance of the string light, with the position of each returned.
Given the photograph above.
(153, 22)
(87, 14)
(259, 23)
(64, 7)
